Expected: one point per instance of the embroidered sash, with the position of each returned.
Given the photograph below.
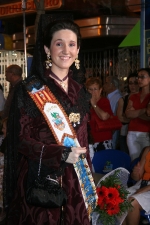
(64, 134)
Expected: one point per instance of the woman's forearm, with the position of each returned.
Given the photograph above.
(131, 114)
(100, 113)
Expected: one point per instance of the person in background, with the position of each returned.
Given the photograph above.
(133, 87)
(13, 75)
(100, 107)
(111, 88)
(58, 44)
(139, 127)
(140, 192)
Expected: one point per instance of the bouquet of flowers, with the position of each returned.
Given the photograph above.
(112, 199)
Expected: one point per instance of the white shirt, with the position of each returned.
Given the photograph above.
(113, 99)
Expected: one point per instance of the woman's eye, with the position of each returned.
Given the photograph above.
(58, 44)
(72, 44)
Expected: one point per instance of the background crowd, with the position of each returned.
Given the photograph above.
(115, 120)
(130, 107)
(133, 110)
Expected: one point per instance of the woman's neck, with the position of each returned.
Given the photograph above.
(60, 73)
(61, 80)
(145, 90)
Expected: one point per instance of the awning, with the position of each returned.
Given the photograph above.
(133, 38)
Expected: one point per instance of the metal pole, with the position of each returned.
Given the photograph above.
(142, 35)
(24, 34)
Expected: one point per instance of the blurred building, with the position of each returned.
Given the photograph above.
(103, 25)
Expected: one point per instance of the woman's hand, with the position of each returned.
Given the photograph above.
(93, 100)
(132, 113)
(100, 113)
(74, 155)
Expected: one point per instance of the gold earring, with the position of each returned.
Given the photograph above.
(48, 61)
(77, 63)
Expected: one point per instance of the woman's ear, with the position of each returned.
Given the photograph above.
(46, 49)
(78, 50)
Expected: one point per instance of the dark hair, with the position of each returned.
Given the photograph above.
(145, 69)
(131, 75)
(134, 74)
(93, 80)
(58, 25)
(14, 68)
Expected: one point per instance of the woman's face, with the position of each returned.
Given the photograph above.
(133, 85)
(143, 79)
(95, 90)
(63, 49)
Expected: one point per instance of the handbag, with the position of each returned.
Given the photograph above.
(44, 191)
(113, 123)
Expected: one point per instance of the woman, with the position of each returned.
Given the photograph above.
(139, 126)
(100, 108)
(140, 192)
(122, 105)
(61, 45)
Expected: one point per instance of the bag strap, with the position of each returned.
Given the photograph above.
(39, 170)
(48, 176)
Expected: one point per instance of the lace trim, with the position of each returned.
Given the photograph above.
(65, 154)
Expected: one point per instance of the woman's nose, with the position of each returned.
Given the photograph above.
(65, 49)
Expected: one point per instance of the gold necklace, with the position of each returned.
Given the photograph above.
(62, 84)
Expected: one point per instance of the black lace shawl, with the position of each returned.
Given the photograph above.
(21, 99)
(11, 152)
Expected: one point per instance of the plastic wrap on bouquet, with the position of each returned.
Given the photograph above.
(95, 219)
(123, 175)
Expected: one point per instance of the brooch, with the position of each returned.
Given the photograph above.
(74, 118)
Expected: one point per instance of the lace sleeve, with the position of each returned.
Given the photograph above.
(65, 153)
